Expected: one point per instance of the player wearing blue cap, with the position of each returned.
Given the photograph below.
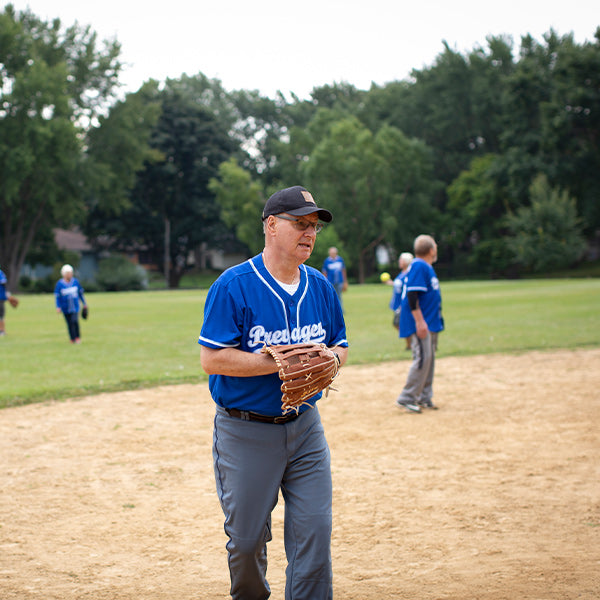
(258, 451)
(421, 319)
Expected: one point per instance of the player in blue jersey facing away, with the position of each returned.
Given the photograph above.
(273, 298)
(421, 320)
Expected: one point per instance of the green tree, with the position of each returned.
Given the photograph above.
(477, 207)
(119, 147)
(546, 235)
(342, 174)
(408, 181)
(570, 126)
(172, 210)
(55, 84)
(241, 201)
(454, 106)
(378, 187)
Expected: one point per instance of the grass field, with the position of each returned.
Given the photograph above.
(142, 339)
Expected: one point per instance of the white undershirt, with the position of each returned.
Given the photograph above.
(290, 288)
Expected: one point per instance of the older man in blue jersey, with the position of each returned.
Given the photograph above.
(273, 298)
(421, 320)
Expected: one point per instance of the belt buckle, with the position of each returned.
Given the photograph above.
(283, 419)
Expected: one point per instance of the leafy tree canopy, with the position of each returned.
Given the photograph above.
(56, 85)
(546, 235)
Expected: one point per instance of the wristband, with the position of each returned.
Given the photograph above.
(339, 362)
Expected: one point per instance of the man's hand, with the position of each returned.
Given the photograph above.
(422, 330)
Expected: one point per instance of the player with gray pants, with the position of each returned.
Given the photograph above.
(421, 320)
(294, 457)
(418, 389)
(260, 449)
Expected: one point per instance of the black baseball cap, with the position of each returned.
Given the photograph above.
(295, 201)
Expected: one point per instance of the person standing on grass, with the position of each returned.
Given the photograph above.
(4, 296)
(68, 292)
(334, 268)
(421, 320)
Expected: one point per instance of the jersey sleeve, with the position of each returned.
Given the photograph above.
(416, 280)
(221, 327)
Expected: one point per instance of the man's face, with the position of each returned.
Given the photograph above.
(298, 235)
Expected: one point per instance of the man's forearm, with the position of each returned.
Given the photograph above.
(235, 362)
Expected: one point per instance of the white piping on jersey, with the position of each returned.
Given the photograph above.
(303, 267)
(201, 338)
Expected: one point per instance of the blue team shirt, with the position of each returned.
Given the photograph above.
(68, 294)
(421, 278)
(334, 267)
(3, 282)
(397, 291)
(246, 308)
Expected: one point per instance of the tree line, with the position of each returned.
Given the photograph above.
(495, 154)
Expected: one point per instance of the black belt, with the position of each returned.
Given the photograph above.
(247, 415)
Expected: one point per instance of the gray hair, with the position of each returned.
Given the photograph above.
(423, 244)
(66, 269)
(406, 258)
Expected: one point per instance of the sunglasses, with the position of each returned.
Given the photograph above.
(301, 225)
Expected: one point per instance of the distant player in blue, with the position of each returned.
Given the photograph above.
(334, 268)
(67, 293)
(404, 262)
(4, 296)
(421, 319)
(272, 298)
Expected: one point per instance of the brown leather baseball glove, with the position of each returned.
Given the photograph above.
(14, 302)
(304, 369)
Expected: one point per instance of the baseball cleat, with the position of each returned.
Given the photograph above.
(428, 404)
(408, 406)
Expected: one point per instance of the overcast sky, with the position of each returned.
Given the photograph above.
(272, 45)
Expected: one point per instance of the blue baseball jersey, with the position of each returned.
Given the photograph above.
(397, 291)
(421, 278)
(3, 282)
(246, 308)
(334, 267)
(67, 295)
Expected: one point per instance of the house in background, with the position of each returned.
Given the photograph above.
(73, 241)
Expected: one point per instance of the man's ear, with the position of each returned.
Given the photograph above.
(270, 224)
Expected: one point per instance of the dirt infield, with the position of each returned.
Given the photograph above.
(494, 496)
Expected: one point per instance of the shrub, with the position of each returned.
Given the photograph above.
(116, 274)
(547, 234)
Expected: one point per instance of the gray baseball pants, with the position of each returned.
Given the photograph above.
(252, 462)
(419, 382)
